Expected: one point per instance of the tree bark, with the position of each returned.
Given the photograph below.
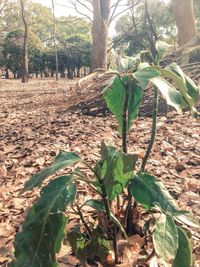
(101, 12)
(25, 45)
(183, 11)
(54, 39)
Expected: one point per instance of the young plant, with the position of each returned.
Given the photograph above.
(114, 174)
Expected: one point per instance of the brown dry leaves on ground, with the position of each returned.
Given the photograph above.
(35, 122)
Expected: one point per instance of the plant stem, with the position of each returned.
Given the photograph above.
(125, 148)
(105, 199)
(124, 126)
(104, 194)
(82, 219)
(153, 130)
(115, 245)
(125, 119)
(108, 215)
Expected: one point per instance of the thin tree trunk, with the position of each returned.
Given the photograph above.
(185, 20)
(54, 39)
(25, 45)
(101, 12)
(7, 74)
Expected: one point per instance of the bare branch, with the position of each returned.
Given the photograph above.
(82, 14)
(70, 21)
(115, 4)
(3, 4)
(111, 45)
(128, 7)
(114, 10)
(132, 10)
(121, 12)
(58, 4)
(85, 6)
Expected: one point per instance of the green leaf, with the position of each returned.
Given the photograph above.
(149, 192)
(62, 160)
(144, 73)
(134, 102)
(88, 248)
(184, 253)
(98, 246)
(192, 89)
(188, 90)
(186, 217)
(127, 63)
(44, 228)
(116, 169)
(169, 93)
(165, 239)
(96, 204)
(114, 96)
(78, 242)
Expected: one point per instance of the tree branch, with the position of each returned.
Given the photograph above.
(82, 14)
(114, 10)
(2, 5)
(85, 6)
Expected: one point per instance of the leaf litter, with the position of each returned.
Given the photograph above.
(42, 117)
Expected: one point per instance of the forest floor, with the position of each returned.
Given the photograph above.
(36, 120)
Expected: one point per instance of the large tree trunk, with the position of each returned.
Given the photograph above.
(101, 12)
(25, 45)
(185, 20)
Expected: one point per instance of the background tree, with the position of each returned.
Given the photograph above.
(25, 45)
(135, 31)
(183, 11)
(54, 39)
(101, 13)
(71, 32)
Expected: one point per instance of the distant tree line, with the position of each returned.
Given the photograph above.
(72, 59)
(72, 38)
(84, 43)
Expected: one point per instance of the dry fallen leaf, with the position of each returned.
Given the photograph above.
(131, 254)
(136, 239)
(3, 171)
(110, 258)
(153, 262)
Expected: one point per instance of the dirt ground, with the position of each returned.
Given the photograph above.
(36, 121)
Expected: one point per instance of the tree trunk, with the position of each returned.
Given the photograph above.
(101, 12)
(7, 74)
(84, 71)
(185, 20)
(69, 73)
(78, 74)
(25, 46)
(54, 39)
